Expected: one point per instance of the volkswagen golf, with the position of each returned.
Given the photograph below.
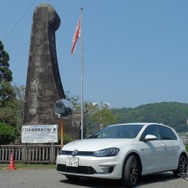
(124, 151)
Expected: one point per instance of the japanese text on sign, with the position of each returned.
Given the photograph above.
(39, 134)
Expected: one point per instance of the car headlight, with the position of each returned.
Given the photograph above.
(60, 152)
(106, 152)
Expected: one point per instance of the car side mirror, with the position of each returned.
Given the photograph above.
(149, 137)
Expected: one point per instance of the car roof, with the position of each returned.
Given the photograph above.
(139, 123)
(142, 123)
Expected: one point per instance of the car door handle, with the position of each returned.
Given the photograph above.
(163, 145)
(177, 145)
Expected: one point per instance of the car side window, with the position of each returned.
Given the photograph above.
(167, 134)
(153, 130)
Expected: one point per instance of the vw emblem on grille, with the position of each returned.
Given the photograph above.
(75, 152)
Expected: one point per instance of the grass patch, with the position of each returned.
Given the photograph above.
(186, 145)
(29, 166)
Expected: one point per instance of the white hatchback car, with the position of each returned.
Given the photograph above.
(124, 151)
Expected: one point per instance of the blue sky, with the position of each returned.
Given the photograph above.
(135, 51)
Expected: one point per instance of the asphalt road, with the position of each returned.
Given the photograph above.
(49, 178)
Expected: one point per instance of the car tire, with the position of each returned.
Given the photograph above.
(131, 171)
(182, 166)
(72, 178)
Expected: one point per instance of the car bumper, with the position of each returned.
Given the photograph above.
(96, 167)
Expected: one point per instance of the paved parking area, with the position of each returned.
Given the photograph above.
(49, 178)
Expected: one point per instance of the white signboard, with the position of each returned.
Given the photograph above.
(39, 134)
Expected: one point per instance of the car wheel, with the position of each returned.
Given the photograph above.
(182, 166)
(72, 178)
(131, 171)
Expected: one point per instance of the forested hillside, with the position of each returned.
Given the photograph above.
(173, 114)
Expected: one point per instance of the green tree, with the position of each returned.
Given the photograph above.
(8, 101)
(98, 116)
(7, 95)
(20, 95)
(75, 100)
(6, 91)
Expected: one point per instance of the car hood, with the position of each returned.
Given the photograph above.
(95, 144)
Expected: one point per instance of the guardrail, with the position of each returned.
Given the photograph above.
(27, 153)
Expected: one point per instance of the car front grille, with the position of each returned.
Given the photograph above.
(80, 169)
(80, 153)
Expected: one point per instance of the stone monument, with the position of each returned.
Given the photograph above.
(43, 86)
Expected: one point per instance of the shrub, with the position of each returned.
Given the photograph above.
(7, 134)
(66, 139)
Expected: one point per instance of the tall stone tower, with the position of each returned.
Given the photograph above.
(43, 86)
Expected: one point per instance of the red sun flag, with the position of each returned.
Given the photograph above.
(75, 37)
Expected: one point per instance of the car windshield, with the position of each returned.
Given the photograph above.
(118, 131)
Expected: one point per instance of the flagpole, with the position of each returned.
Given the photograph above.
(81, 73)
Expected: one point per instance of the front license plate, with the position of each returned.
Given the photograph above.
(72, 161)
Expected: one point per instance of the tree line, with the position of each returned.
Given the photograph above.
(173, 114)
